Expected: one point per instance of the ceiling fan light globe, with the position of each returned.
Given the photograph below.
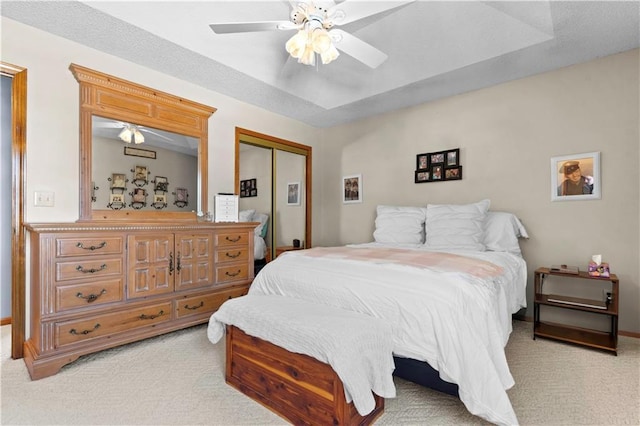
(321, 41)
(138, 137)
(297, 44)
(125, 135)
(329, 55)
(308, 57)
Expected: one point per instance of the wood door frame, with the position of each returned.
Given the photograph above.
(18, 162)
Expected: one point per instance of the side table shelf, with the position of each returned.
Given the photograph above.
(607, 341)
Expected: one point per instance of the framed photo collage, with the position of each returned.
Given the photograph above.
(438, 166)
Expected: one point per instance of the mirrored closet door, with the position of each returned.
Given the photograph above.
(273, 178)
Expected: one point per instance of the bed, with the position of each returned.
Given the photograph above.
(446, 277)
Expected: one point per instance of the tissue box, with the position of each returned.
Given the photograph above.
(599, 269)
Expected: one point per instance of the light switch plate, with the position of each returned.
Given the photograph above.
(44, 198)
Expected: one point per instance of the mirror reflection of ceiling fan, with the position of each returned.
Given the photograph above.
(129, 132)
(314, 22)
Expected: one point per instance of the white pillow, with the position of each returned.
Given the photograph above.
(246, 215)
(260, 230)
(399, 224)
(456, 226)
(501, 232)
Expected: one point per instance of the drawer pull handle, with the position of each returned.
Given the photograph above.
(85, 332)
(233, 256)
(233, 240)
(231, 274)
(171, 263)
(145, 317)
(99, 246)
(92, 297)
(193, 308)
(178, 266)
(79, 268)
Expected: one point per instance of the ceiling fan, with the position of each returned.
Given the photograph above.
(314, 22)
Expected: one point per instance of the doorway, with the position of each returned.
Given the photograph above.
(18, 140)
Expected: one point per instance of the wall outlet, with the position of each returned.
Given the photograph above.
(44, 198)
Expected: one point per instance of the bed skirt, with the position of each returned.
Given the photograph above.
(423, 374)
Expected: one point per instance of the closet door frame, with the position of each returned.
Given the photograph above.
(271, 142)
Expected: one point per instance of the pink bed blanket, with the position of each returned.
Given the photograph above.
(439, 261)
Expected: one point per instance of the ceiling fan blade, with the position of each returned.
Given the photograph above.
(352, 10)
(105, 125)
(357, 48)
(145, 130)
(246, 27)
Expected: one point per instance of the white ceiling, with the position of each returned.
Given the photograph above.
(436, 48)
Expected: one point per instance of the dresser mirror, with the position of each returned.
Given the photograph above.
(159, 173)
(280, 170)
(163, 176)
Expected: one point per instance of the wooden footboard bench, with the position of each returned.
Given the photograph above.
(298, 387)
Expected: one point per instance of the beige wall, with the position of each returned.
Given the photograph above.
(507, 135)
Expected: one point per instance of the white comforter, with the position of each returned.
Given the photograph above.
(457, 323)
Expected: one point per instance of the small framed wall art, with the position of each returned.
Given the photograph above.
(248, 188)
(293, 194)
(118, 181)
(162, 184)
(575, 177)
(438, 166)
(352, 189)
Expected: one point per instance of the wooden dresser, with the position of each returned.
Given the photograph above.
(99, 285)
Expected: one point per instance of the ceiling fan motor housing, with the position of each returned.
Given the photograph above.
(308, 12)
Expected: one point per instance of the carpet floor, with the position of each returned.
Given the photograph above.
(178, 379)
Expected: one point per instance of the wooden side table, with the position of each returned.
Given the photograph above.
(607, 341)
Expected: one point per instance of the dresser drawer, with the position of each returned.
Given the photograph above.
(88, 269)
(88, 294)
(230, 273)
(232, 238)
(232, 254)
(95, 246)
(69, 332)
(206, 303)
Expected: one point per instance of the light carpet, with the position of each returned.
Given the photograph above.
(178, 379)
